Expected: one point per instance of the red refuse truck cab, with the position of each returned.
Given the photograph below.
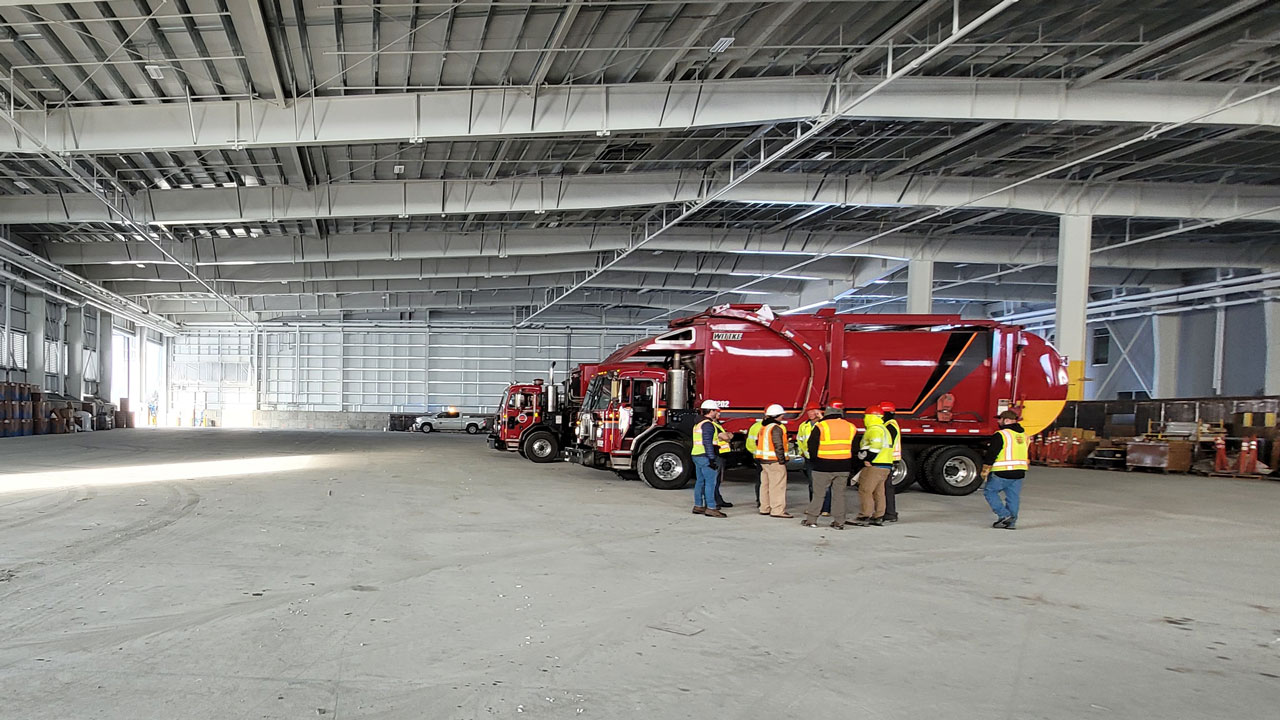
(537, 419)
(949, 378)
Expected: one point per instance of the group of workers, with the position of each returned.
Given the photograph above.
(833, 454)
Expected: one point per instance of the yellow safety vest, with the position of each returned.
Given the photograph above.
(802, 437)
(836, 439)
(753, 436)
(1013, 456)
(765, 450)
(721, 445)
(876, 439)
(897, 439)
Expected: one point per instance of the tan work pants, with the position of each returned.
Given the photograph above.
(773, 488)
(871, 491)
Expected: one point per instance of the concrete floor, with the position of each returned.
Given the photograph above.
(376, 575)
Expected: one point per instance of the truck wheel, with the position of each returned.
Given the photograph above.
(426, 428)
(472, 429)
(924, 461)
(955, 470)
(666, 465)
(904, 472)
(541, 447)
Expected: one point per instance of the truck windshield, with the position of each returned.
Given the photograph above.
(597, 397)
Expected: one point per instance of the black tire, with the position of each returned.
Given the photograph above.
(472, 429)
(955, 470)
(665, 465)
(425, 428)
(541, 446)
(903, 479)
(924, 461)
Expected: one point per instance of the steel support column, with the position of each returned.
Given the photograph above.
(920, 286)
(1167, 332)
(1074, 240)
(75, 352)
(35, 339)
(1271, 375)
(106, 354)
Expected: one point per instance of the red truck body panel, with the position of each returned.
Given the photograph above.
(745, 358)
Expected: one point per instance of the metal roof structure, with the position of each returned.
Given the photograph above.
(513, 160)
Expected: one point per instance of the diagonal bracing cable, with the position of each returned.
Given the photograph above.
(1154, 132)
(819, 124)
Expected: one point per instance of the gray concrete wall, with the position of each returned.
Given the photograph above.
(319, 420)
(1117, 376)
(1244, 362)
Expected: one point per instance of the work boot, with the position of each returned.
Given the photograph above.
(891, 518)
(712, 512)
(1001, 523)
(698, 510)
(837, 526)
(784, 516)
(862, 521)
(1011, 524)
(877, 521)
(808, 523)
(726, 504)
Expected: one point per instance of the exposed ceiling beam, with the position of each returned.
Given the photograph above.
(687, 263)
(410, 301)
(261, 48)
(621, 280)
(1164, 43)
(592, 192)
(636, 107)
(1259, 254)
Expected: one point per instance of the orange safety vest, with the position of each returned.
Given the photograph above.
(764, 444)
(1013, 456)
(835, 441)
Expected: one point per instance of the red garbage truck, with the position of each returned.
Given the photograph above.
(948, 376)
(537, 419)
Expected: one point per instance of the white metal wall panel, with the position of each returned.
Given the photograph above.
(383, 369)
(213, 370)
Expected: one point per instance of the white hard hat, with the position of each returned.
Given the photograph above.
(774, 410)
(710, 405)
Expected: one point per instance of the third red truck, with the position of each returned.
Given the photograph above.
(949, 378)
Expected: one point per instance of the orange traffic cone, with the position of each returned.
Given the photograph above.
(1249, 456)
(1220, 463)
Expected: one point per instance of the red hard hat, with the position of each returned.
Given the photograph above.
(813, 407)
(874, 410)
(887, 407)
(837, 404)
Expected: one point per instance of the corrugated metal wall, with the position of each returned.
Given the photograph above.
(373, 369)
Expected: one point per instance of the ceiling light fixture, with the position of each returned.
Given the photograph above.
(153, 71)
(22, 185)
(722, 44)
(822, 155)
(398, 169)
(141, 265)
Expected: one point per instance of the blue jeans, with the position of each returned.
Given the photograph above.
(704, 488)
(1012, 490)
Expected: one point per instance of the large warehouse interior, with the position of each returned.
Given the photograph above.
(358, 358)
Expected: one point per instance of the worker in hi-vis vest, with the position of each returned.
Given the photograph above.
(813, 414)
(753, 439)
(708, 444)
(887, 412)
(771, 453)
(831, 453)
(881, 447)
(1004, 467)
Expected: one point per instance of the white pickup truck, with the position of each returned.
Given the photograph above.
(450, 420)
